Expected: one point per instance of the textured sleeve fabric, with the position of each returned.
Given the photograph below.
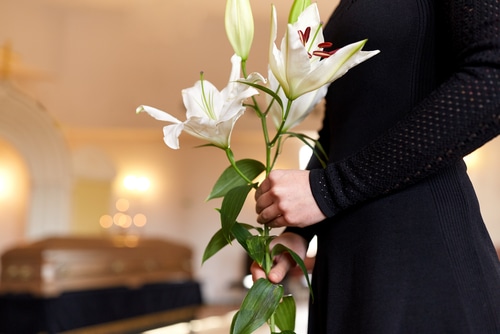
(461, 115)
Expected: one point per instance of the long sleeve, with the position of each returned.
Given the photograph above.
(461, 115)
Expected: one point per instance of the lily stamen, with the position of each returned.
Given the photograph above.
(325, 45)
(324, 54)
(304, 35)
(304, 38)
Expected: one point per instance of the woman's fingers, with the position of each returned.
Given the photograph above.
(285, 199)
(256, 271)
(282, 262)
(263, 188)
(282, 265)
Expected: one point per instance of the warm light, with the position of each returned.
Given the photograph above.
(136, 183)
(5, 184)
(473, 159)
(131, 241)
(122, 220)
(180, 328)
(143, 183)
(106, 221)
(122, 205)
(3, 187)
(140, 220)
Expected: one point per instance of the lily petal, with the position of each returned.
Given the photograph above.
(334, 67)
(300, 108)
(171, 135)
(157, 114)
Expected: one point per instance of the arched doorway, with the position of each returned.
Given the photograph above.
(29, 128)
(14, 191)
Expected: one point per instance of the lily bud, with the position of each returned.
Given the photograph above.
(298, 7)
(239, 26)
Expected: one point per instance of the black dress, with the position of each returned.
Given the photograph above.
(404, 248)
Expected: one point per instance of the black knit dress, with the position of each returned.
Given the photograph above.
(404, 248)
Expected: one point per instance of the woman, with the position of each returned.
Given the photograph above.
(402, 247)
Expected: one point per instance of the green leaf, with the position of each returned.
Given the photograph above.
(257, 246)
(230, 178)
(316, 147)
(280, 248)
(285, 314)
(266, 90)
(241, 233)
(218, 241)
(259, 304)
(231, 207)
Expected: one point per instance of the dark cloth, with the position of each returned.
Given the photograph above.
(27, 314)
(404, 248)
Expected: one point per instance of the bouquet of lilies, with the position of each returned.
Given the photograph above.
(299, 74)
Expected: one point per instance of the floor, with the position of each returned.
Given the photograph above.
(217, 320)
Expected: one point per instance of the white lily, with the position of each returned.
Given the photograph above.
(300, 108)
(210, 114)
(301, 65)
(239, 25)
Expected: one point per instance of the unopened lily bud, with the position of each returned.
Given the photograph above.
(239, 26)
(298, 7)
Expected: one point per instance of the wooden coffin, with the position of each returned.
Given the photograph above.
(54, 265)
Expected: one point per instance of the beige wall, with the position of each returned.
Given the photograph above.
(483, 168)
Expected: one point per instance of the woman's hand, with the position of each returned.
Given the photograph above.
(285, 199)
(283, 262)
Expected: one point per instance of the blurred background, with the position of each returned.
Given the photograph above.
(73, 153)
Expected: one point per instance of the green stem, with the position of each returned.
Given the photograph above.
(268, 147)
(230, 157)
(244, 68)
(270, 161)
(267, 230)
(283, 119)
(276, 141)
(255, 105)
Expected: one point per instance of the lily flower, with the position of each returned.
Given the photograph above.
(211, 115)
(298, 7)
(302, 65)
(300, 108)
(239, 25)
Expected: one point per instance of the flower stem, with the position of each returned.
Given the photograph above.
(282, 125)
(230, 157)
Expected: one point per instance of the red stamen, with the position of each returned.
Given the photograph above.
(304, 38)
(323, 54)
(325, 45)
(301, 37)
(304, 35)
